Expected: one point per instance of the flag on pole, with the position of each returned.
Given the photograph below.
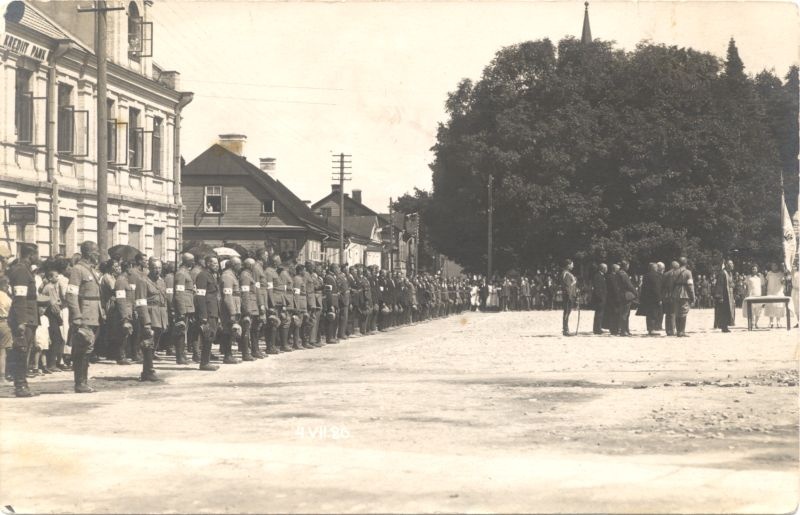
(789, 238)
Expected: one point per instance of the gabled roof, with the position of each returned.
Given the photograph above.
(359, 226)
(217, 158)
(334, 196)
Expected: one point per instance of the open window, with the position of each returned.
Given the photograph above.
(155, 146)
(267, 207)
(140, 34)
(212, 200)
(72, 125)
(26, 109)
(135, 141)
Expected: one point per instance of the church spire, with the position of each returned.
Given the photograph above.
(586, 36)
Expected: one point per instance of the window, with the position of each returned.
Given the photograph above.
(66, 243)
(140, 34)
(112, 234)
(267, 207)
(158, 242)
(23, 106)
(66, 125)
(155, 166)
(325, 212)
(212, 200)
(135, 236)
(135, 140)
(111, 146)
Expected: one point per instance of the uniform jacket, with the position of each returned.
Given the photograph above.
(247, 285)
(343, 286)
(684, 285)
(207, 295)
(138, 283)
(183, 292)
(569, 285)
(156, 291)
(231, 306)
(300, 294)
(83, 295)
(650, 300)
(271, 279)
(23, 297)
(311, 293)
(260, 278)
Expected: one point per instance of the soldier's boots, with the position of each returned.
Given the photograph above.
(180, 353)
(255, 349)
(297, 343)
(123, 358)
(205, 358)
(80, 367)
(148, 372)
(16, 362)
(272, 340)
(284, 339)
(246, 351)
(196, 351)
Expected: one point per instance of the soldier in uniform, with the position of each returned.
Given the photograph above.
(356, 308)
(258, 323)
(668, 300)
(118, 311)
(300, 319)
(156, 301)
(23, 317)
(311, 304)
(273, 304)
(250, 311)
(207, 309)
(343, 286)
(231, 310)
(683, 296)
(183, 307)
(193, 335)
(284, 303)
(168, 337)
(366, 303)
(375, 298)
(330, 304)
(85, 312)
(142, 330)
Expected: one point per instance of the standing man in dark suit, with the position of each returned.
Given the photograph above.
(23, 318)
(569, 294)
(627, 294)
(650, 305)
(611, 315)
(724, 305)
(599, 296)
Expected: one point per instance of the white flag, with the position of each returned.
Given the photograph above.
(789, 241)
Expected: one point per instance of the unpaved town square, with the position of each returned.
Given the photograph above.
(477, 413)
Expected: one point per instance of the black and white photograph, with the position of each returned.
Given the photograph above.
(403, 256)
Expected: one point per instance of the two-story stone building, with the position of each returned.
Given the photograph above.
(48, 133)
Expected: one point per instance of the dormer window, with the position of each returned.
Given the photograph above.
(140, 34)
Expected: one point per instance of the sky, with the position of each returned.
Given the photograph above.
(305, 80)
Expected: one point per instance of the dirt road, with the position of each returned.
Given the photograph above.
(484, 412)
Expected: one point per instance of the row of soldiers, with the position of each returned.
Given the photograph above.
(135, 306)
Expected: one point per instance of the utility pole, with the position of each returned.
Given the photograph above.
(489, 246)
(100, 9)
(341, 163)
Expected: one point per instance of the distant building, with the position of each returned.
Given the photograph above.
(227, 199)
(390, 238)
(48, 133)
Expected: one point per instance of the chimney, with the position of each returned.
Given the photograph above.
(335, 188)
(357, 196)
(267, 165)
(233, 142)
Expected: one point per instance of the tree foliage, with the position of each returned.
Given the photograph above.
(601, 154)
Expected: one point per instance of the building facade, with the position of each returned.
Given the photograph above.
(230, 200)
(48, 133)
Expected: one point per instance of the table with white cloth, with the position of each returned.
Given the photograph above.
(768, 299)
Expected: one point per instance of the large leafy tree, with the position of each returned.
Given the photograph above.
(596, 153)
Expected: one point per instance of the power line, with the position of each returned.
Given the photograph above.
(255, 99)
(253, 84)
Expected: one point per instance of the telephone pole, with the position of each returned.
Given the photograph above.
(489, 246)
(341, 163)
(100, 9)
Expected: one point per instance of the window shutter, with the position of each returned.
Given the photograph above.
(80, 125)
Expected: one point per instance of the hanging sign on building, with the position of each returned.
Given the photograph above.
(22, 214)
(26, 48)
